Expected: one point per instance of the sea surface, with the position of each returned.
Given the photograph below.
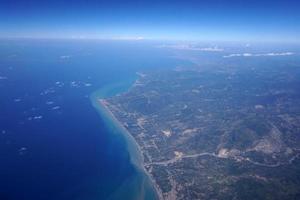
(54, 144)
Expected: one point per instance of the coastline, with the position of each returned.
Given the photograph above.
(136, 153)
(104, 103)
(140, 163)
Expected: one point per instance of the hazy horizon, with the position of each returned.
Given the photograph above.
(217, 20)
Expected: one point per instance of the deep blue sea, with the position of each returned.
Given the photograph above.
(53, 143)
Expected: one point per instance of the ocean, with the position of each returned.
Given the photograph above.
(54, 144)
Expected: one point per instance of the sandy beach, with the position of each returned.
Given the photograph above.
(136, 152)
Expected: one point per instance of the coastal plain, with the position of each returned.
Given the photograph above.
(222, 133)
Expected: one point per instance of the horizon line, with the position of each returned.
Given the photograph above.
(141, 38)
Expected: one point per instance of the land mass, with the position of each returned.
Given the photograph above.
(218, 133)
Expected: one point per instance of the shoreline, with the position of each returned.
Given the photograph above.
(103, 103)
(140, 162)
(98, 99)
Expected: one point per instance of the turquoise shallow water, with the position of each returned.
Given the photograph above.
(138, 185)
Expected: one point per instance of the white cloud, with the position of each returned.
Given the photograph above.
(192, 48)
(259, 55)
(280, 54)
(210, 49)
(65, 57)
(128, 38)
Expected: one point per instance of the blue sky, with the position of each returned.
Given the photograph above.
(241, 20)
